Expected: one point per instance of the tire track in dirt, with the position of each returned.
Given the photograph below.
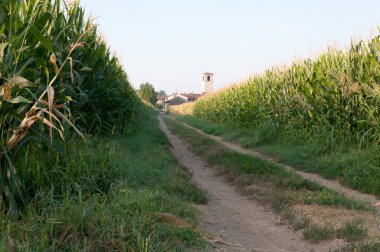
(244, 224)
(331, 184)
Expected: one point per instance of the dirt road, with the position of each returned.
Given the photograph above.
(333, 185)
(242, 223)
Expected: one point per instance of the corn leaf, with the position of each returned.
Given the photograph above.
(18, 99)
(42, 39)
(18, 80)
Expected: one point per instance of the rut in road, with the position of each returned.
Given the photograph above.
(333, 185)
(243, 223)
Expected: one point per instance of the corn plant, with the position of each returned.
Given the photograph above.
(56, 74)
(339, 90)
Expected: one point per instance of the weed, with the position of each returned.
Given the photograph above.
(327, 197)
(281, 201)
(361, 247)
(316, 233)
(301, 223)
(353, 231)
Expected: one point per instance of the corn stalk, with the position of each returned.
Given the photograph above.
(339, 91)
(55, 74)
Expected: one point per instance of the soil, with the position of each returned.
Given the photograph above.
(237, 223)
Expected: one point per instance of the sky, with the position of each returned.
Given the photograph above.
(170, 43)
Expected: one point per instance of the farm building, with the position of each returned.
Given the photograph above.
(207, 84)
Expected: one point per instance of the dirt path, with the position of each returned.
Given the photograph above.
(240, 222)
(333, 185)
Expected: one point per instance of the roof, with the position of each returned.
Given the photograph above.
(188, 95)
(192, 95)
(207, 73)
(184, 96)
(175, 95)
(161, 97)
(177, 100)
(196, 96)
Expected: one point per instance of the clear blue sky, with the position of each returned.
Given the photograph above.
(169, 43)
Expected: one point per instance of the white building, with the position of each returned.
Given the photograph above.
(207, 86)
(207, 82)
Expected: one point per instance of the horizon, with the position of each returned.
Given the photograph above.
(170, 44)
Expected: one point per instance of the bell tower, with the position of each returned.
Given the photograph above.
(207, 85)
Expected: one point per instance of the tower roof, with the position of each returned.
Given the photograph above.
(207, 73)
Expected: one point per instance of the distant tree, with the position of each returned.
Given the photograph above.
(147, 93)
(162, 92)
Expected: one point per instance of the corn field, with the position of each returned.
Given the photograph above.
(339, 91)
(57, 76)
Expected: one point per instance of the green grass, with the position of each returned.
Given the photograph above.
(355, 167)
(361, 247)
(301, 223)
(104, 196)
(353, 231)
(316, 233)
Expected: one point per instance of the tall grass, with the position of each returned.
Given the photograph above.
(337, 94)
(56, 73)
